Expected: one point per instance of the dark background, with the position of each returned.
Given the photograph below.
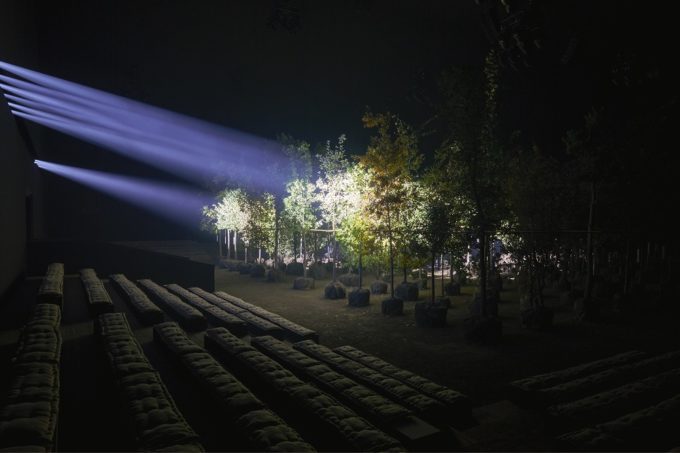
(306, 68)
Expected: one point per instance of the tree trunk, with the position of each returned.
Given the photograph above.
(335, 250)
(441, 269)
(482, 270)
(235, 245)
(492, 256)
(361, 268)
(316, 247)
(434, 257)
(588, 308)
(228, 236)
(451, 267)
(276, 238)
(219, 244)
(304, 254)
(626, 268)
(389, 237)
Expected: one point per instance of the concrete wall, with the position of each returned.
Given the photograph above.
(17, 45)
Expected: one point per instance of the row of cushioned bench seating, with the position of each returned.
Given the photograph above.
(194, 307)
(388, 415)
(334, 425)
(98, 298)
(157, 422)
(423, 405)
(33, 424)
(28, 419)
(628, 401)
(259, 428)
(347, 410)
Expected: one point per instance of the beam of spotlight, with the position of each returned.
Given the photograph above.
(173, 142)
(177, 203)
(145, 150)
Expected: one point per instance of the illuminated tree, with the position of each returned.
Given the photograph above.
(298, 211)
(390, 161)
(338, 190)
(444, 181)
(262, 223)
(436, 221)
(209, 223)
(230, 213)
(413, 246)
(356, 229)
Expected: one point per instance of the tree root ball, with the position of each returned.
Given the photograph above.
(229, 265)
(303, 283)
(318, 271)
(359, 297)
(492, 300)
(392, 307)
(496, 282)
(349, 280)
(537, 318)
(272, 275)
(379, 287)
(430, 315)
(334, 290)
(443, 302)
(483, 330)
(257, 271)
(295, 269)
(452, 289)
(406, 291)
(244, 268)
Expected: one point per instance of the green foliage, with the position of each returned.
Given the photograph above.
(471, 155)
(231, 212)
(539, 198)
(391, 161)
(262, 221)
(357, 232)
(299, 156)
(337, 187)
(299, 211)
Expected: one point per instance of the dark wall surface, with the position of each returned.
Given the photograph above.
(108, 259)
(17, 40)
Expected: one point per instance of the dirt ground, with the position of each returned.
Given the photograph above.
(443, 354)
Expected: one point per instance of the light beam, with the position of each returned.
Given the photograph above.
(182, 145)
(178, 203)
